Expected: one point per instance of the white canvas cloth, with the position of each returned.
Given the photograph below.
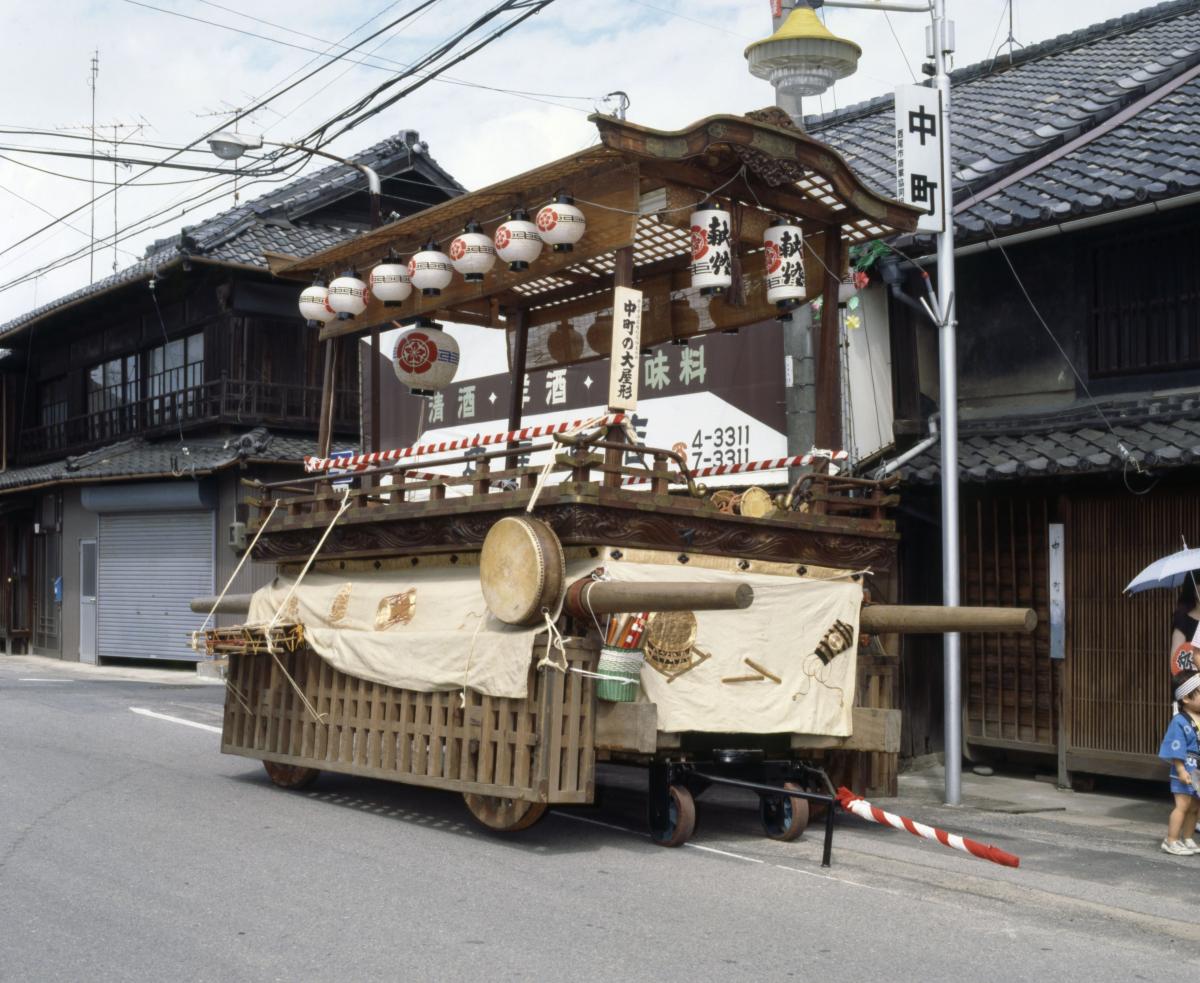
(442, 645)
(782, 631)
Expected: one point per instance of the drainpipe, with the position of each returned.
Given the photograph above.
(914, 451)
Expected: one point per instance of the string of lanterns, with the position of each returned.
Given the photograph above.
(426, 357)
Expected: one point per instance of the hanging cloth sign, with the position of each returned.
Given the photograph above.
(626, 349)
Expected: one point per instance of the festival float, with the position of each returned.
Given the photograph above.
(498, 633)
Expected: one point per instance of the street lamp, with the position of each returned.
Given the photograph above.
(802, 58)
(230, 145)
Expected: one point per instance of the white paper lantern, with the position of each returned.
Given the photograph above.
(472, 253)
(783, 244)
(430, 270)
(391, 283)
(561, 224)
(314, 305)
(425, 358)
(517, 241)
(712, 255)
(348, 296)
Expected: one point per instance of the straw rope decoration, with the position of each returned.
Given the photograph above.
(864, 810)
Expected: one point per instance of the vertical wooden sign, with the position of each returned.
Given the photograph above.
(626, 349)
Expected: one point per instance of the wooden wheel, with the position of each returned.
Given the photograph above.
(504, 815)
(680, 820)
(783, 818)
(290, 776)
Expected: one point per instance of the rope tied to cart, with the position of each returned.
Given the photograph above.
(232, 577)
(271, 647)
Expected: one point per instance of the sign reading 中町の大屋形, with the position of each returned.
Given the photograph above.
(919, 178)
(626, 349)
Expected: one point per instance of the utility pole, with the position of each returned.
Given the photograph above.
(91, 81)
(940, 45)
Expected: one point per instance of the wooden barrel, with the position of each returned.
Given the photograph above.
(522, 570)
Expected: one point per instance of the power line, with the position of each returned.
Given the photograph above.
(240, 115)
(390, 61)
(543, 97)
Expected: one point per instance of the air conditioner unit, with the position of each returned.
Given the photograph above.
(237, 535)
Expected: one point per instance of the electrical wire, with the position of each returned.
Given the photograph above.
(675, 13)
(366, 111)
(240, 114)
(84, 180)
(903, 54)
(46, 211)
(542, 97)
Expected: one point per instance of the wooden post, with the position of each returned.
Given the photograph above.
(516, 393)
(622, 277)
(325, 424)
(376, 396)
(828, 424)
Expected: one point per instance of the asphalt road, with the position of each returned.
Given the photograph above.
(131, 849)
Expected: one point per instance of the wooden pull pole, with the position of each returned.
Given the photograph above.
(586, 597)
(902, 619)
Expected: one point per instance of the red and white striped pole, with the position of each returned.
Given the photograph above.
(771, 464)
(864, 810)
(360, 462)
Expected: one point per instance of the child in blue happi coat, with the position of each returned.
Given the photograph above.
(1181, 746)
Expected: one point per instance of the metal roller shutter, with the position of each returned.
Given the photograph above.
(151, 566)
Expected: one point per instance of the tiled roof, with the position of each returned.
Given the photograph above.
(140, 458)
(1007, 117)
(1156, 432)
(272, 222)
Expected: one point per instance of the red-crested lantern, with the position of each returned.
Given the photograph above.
(425, 358)
(517, 241)
(472, 253)
(561, 224)
(430, 270)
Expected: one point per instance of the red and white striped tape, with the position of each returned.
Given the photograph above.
(772, 464)
(864, 810)
(360, 462)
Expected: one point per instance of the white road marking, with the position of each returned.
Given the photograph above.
(634, 832)
(36, 679)
(175, 720)
(597, 822)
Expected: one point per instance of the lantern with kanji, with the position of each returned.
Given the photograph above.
(390, 282)
(712, 252)
(561, 224)
(348, 296)
(425, 358)
(430, 270)
(314, 305)
(783, 246)
(517, 241)
(472, 253)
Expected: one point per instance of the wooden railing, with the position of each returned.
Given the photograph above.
(238, 402)
(596, 459)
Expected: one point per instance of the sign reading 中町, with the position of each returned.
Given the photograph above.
(919, 178)
(626, 349)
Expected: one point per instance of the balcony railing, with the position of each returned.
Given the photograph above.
(238, 402)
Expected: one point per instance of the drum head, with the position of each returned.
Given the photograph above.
(756, 503)
(521, 570)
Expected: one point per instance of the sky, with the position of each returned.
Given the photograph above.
(170, 68)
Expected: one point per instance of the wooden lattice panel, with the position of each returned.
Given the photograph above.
(540, 749)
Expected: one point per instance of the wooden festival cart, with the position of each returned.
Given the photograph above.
(512, 758)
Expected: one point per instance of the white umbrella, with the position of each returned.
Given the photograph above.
(1167, 572)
